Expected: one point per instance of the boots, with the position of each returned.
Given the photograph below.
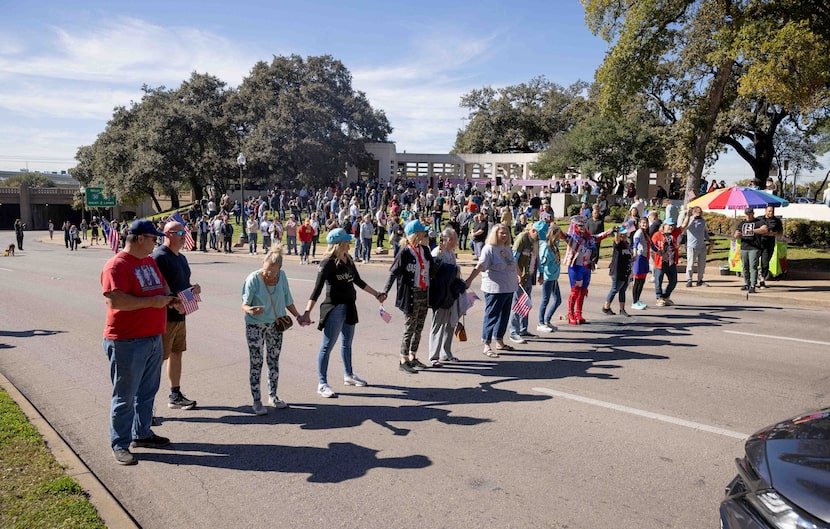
(571, 302)
(578, 306)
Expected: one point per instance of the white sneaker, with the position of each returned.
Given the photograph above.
(552, 327)
(277, 403)
(543, 328)
(638, 306)
(517, 339)
(325, 391)
(259, 409)
(354, 380)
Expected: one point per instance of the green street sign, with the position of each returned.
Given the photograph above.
(95, 198)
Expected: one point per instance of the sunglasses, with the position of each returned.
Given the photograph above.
(180, 233)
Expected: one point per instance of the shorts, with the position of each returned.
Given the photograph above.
(579, 273)
(174, 340)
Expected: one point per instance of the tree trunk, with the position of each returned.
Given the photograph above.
(704, 133)
(155, 200)
(823, 183)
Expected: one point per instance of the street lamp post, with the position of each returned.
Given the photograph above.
(243, 236)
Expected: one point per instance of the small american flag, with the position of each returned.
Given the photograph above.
(472, 297)
(190, 300)
(522, 306)
(111, 235)
(188, 239)
(385, 316)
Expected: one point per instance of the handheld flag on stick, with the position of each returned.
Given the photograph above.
(190, 300)
(385, 316)
(523, 305)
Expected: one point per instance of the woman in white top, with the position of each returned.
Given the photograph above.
(500, 279)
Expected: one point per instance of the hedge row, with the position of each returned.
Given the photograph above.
(799, 232)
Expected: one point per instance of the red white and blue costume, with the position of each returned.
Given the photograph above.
(580, 245)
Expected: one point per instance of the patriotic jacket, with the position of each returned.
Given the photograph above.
(580, 248)
(666, 249)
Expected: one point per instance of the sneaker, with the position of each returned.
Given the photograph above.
(607, 310)
(407, 368)
(277, 403)
(517, 339)
(528, 334)
(639, 305)
(180, 402)
(702, 284)
(154, 441)
(688, 284)
(259, 409)
(325, 391)
(417, 364)
(124, 456)
(745, 287)
(552, 327)
(668, 302)
(661, 302)
(752, 290)
(354, 380)
(762, 285)
(543, 328)
(436, 363)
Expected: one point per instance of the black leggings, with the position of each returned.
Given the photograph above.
(637, 289)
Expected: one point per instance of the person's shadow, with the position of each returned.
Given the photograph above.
(335, 464)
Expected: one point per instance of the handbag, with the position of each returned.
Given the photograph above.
(282, 323)
(460, 332)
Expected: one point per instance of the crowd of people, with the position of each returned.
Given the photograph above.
(515, 241)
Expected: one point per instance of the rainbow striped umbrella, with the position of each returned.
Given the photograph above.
(738, 197)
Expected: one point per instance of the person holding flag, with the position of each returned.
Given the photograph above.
(176, 272)
(111, 234)
(526, 253)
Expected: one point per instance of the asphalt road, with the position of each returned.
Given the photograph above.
(623, 423)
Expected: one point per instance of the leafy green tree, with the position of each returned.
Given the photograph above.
(29, 179)
(301, 121)
(521, 118)
(613, 147)
(775, 50)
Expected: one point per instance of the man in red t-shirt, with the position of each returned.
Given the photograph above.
(665, 247)
(136, 296)
(305, 233)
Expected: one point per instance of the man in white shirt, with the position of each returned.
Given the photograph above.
(265, 228)
(382, 222)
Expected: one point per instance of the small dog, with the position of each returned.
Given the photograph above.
(9, 251)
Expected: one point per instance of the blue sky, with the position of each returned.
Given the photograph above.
(63, 69)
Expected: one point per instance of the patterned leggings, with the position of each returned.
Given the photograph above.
(259, 335)
(413, 323)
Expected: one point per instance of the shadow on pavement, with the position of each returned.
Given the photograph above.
(335, 464)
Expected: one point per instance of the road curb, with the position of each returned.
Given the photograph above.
(108, 507)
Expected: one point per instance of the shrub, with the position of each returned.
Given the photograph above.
(573, 209)
(618, 213)
(801, 232)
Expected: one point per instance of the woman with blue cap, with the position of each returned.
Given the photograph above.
(411, 269)
(338, 311)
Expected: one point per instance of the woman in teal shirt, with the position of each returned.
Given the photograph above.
(266, 297)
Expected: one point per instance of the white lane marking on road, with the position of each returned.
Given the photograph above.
(777, 337)
(6, 269)
(644, 413)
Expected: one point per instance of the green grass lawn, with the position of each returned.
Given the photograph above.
(34, 490)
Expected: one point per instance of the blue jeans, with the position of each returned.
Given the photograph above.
(367, 249)
(618, 286)
(252, 243)
(496, 315)
(548, 306)
(335, 325)
(671, 274)
(291, 242)
(135, 371)
(518, 325)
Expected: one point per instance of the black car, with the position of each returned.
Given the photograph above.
(783, 482)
